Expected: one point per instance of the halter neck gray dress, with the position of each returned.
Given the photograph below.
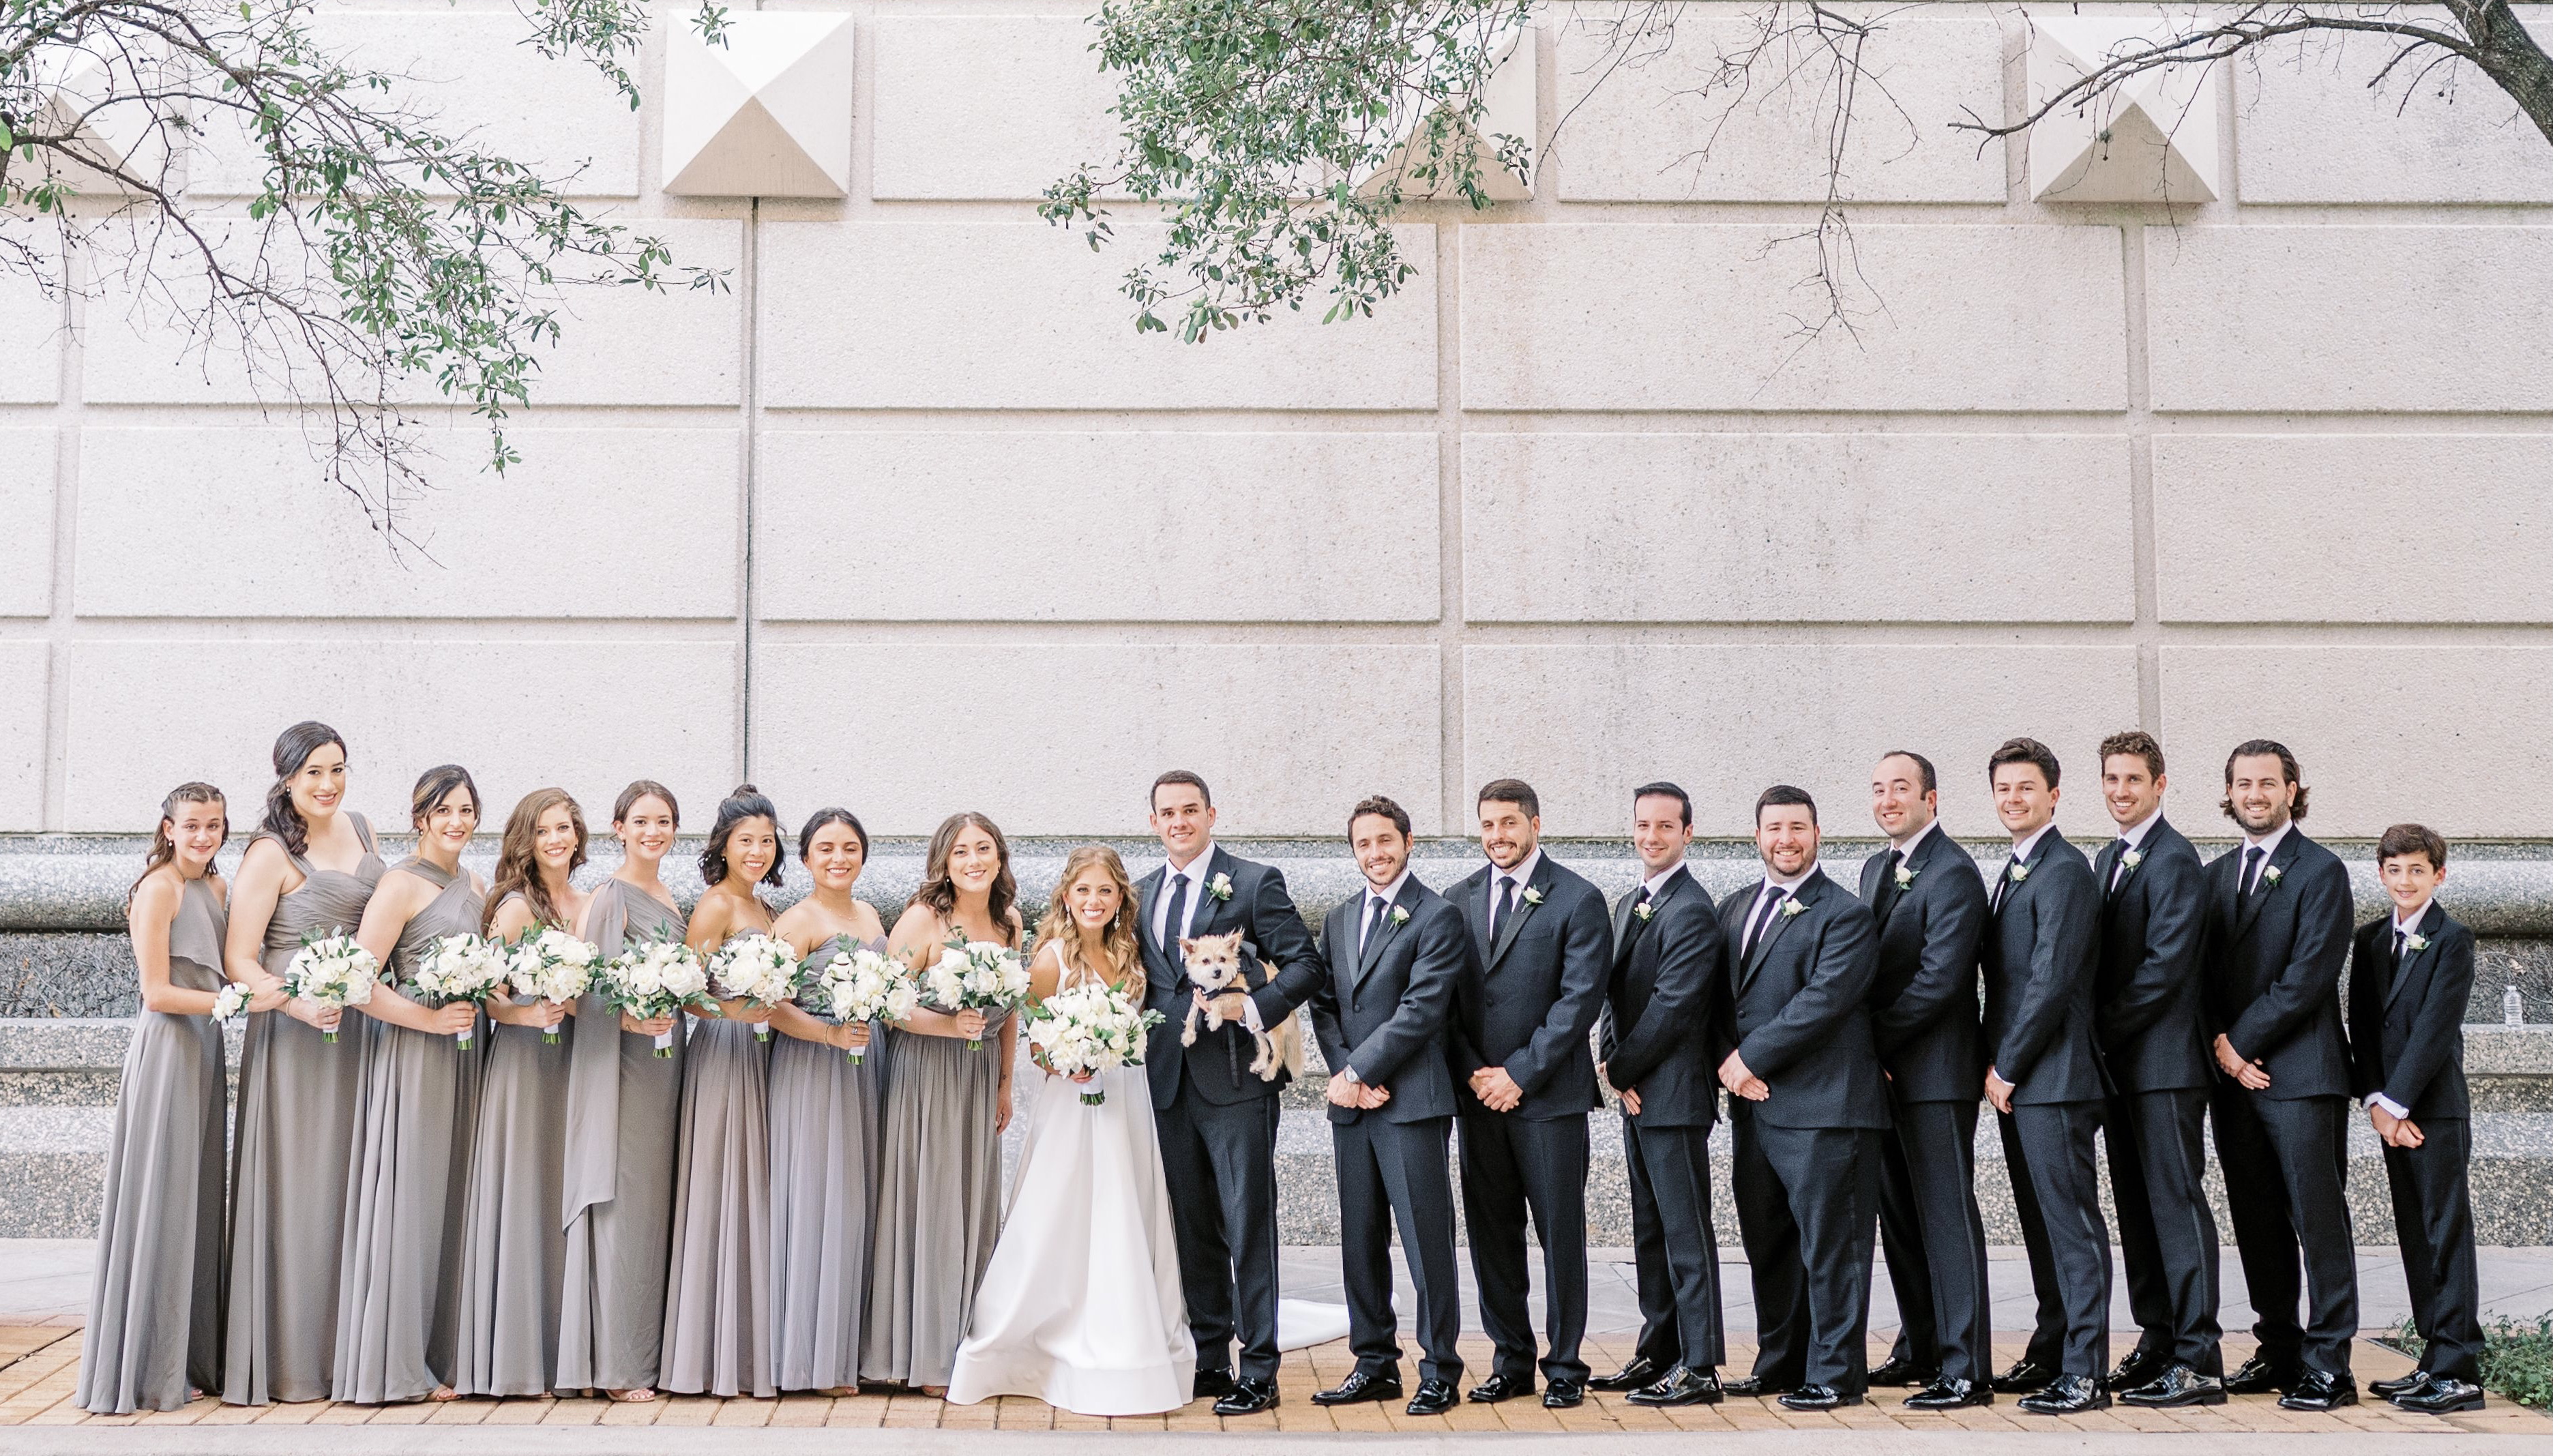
(514, 1251)
(618, 1201)
(717, 1288)
(398, 1298)
(154, 1308)
(297, 1096)
(940, 1204)
(823, 1198)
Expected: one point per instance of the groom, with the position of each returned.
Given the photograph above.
(1217, 1118)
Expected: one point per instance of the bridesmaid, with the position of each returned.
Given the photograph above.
(309, 870)
(512, 1252)
(398, 1301)
(155, 1310)
(824, 1131)
(941, 1189)
(620, 1102)
(717, 1295)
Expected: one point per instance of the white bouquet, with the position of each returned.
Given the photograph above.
(862, 986)
(230, 1001)
(755, 968)
(656, 979)
(460, 968)
(332, 971)
(1090, 1028)
(548, 965)
(976, 975)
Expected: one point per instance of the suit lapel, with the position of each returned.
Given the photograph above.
(2102, 866)
(1622, 924)
(1773, 931)
(1157, 961)
(1203, 905)
(2426, 929)
(1533, 889)
(1369, 954)
(1475, 911)
(2251, 904)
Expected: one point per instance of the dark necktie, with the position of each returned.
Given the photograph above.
(2119, 864)
(1888, 879)
(1176, 924)
(2400, 937)
(1376, 907)
(2252, 858)
(1772, 901)
(1505, 907)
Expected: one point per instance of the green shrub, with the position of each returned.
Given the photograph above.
(2517, 1358)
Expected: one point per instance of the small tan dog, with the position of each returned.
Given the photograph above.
(1215, 966)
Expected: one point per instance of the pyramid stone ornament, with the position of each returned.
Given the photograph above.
(2149, 137)
(764, 111)
(99, 103)
(1506, 111)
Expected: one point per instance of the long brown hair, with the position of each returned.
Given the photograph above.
(940, 892)
(1117, 938)
(163, 850)
(293, 748)
(518, 870)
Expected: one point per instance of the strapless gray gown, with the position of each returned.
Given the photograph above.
(297, 1098)
(717, 1288)
(823, 1202)
(940, 1204)
(155, 1308)
(398, 1299)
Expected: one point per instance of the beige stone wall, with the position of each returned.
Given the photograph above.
(911, 519)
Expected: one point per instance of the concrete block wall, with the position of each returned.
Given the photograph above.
(911, 519)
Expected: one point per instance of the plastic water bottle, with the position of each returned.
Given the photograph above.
(2513, 1008)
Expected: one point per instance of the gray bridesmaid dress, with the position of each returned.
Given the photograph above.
(618, 1201)
(290, 1159)
(154, 1308)
(718, 1287)
(823, 1199)
(398, 1298)
(940, 1204)
(514, 1251)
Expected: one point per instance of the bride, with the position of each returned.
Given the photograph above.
(1081, 1305)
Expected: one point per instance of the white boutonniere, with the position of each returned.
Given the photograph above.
(2020, 871)
(1220, 887)
(1399, 916)
(1791, 908)
(2270, 876)
(1532, 896)
(2416, 942)
(1645, 909)
(2131, 859)
(1905, 875)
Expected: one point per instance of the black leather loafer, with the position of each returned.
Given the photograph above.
(1360, 1386)
(1248, 1397)
(2067, 1395)
(1501, 1388)
(1643, 1370)
(2390, 1390)
(1564, 1394)
(1895, 1374)
(2176, 1386)
(1815, 1396)
(2320, 1390)
(2143, 1367)
(1211, 1384)
(1756, 1385)
(1434, 1398)
(1951, 1394)
(2257, 1376)
(1682, 1386)
(2442, 1395)
(2023, 1377)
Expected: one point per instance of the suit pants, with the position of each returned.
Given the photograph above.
(1388, 1172)
(2287, 1185)
(2158, 1151)
(1674, 1248)
(2433, 1219)
(1934, 1238)
(1220, 1161)
(2057, 1194)
(1512, 1166)
(1806, 1199)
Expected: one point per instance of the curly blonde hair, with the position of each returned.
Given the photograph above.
(1125, 970)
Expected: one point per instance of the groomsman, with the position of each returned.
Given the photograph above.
(2045, 1082)
(2147, 1018)
(1396, 953)
(2408, 981)
(1931, 906)
(1520, 1045)
(1806, 1111)
(2278, 935)
(1217, 1119)
(1652, 1044)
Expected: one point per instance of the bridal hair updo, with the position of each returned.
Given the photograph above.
(293, 748)
(163, 848)
(1118, 939)
(940, 892)
(743, 804)
(519, 866)
(823, 817)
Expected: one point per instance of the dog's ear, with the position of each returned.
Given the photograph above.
(1187, 944)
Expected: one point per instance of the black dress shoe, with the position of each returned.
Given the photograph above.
(2143, 1367)
(1814, 1396)
(2444, 1394)
(1682, 1386)
(1434, 1398)
(1248, 1397)
(2388, 1390)
(1951, 1394)
(1895, 1374)
(1755, 1385)
(2067, 1395)
(1501, 1388)
(2023, 1377)
(1360, 1386)
(2257, 1376)
(1211, 1384)
(2175, 1387)
(2320, 1390)
(1643, 1370)
(1564, 1394)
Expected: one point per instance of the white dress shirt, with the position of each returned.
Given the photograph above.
(2405, 929)
(1906, 851)
(1651, 885)
(2131, 839)
(2021, 855)
(2269, 848)
(1162, 934)
(1779, 888)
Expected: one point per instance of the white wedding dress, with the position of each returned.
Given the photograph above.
(1081, 1306)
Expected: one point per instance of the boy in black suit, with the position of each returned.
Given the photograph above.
(2409, 976)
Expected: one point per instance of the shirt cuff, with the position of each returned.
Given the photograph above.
(2390, 1106)
(1249, 1014)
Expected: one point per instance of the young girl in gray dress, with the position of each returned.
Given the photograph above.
(308, 872)
(514, 1252)
(939, 1184)
(396, 1295)
(824, 1129)
(621, 1098)
(154, 1338)
(717, 1293)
